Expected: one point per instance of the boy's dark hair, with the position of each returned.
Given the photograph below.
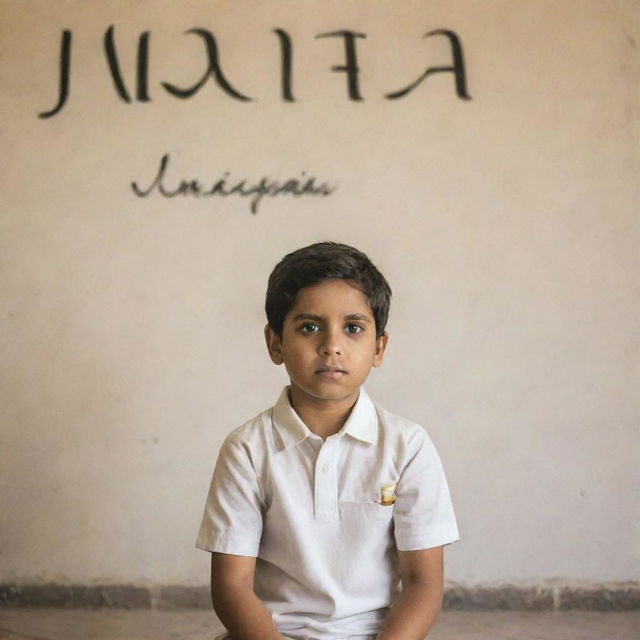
(324, 261)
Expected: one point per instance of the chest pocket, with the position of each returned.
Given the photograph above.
(369, 527)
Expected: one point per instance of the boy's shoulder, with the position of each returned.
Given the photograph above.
(396, 422)
(254, 430)
(401, 429)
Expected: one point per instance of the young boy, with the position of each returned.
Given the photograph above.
(327, 515)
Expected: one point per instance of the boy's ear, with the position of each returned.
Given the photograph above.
(381, 345)
(274, 345)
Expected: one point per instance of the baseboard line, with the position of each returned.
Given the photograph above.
(623, 596)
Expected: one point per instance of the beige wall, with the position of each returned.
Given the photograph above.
(507, 225)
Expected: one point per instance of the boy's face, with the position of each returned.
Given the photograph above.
(328, 342)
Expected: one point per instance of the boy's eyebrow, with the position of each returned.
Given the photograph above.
(358, 316)
(351, 316)
(306, 316)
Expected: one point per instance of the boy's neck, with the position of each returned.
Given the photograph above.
(322, 417)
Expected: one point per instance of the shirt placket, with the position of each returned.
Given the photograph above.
(325, 499)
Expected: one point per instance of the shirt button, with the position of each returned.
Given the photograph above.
(325, 468)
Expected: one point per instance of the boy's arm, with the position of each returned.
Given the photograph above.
(234, 600)
(415, 611)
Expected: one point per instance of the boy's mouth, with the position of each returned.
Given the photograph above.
(331, 373)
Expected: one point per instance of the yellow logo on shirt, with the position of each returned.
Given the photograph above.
(388, 494)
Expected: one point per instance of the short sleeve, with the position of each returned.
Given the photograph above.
(232, 521)
(423, 514)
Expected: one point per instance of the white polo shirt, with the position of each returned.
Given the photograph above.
(310, 510)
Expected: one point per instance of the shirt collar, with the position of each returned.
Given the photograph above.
(362, 422)
(287, 422)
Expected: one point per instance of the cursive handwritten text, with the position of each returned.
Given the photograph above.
(254, 190)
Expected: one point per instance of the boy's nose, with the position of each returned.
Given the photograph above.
(331, 345)
(329, 350)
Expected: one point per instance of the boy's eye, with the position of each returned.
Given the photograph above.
(309, 327)
(353, 328)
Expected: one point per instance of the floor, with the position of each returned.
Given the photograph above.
(78, 624)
